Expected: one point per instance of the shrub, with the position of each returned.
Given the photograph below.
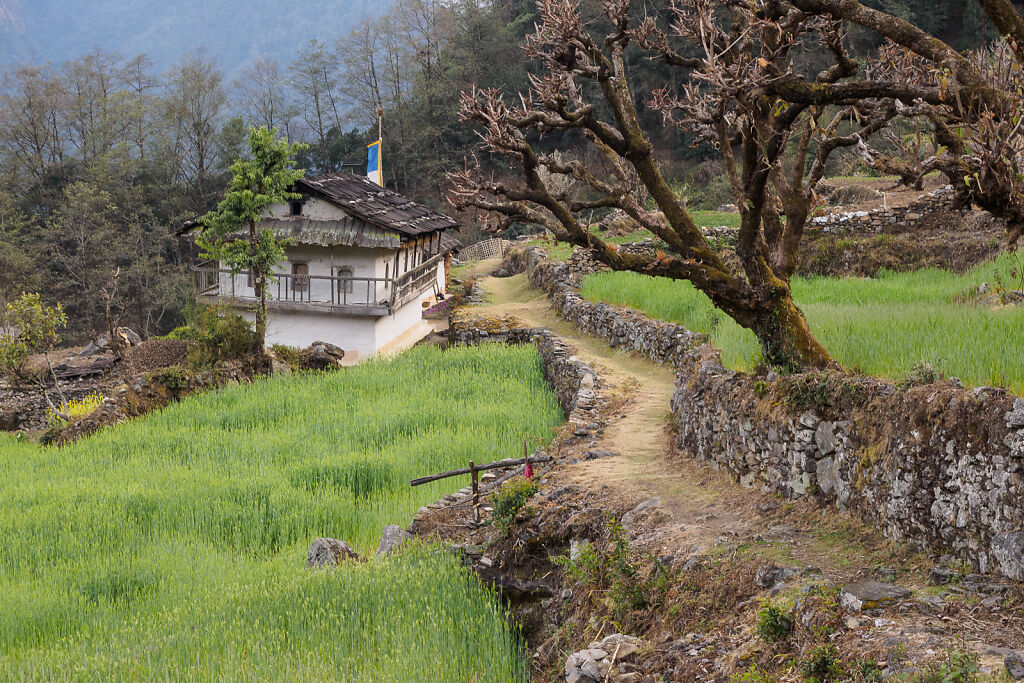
(175, 378)
(960, 666)
(75, 409)
(182, 332)
(629, 587)
(821, 664)
(588, 567)
(752, 675)
(923, 372)
(510, 500)
(222, 335)
(289, 354)
(773, 623)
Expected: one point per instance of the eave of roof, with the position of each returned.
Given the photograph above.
(346, 231)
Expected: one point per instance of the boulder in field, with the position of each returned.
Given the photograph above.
(393, 537)
(326, 552)
(323, 355)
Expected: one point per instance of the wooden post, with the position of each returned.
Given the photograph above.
(526, 457)
(476, 492)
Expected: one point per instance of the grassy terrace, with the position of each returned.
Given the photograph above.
(704, 219)
(881, 326)
(173, 547)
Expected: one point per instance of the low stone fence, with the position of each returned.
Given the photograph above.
(896, 219)
(938, 465)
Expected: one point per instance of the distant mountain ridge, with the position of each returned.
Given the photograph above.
(234, 32)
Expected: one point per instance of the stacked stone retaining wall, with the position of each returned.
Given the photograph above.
(573, 381)
(896, 219)
(938, 465)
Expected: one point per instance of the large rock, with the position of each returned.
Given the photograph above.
(126, 337)
(641, 511)
(940, 576)
(1014, 663)
(393, 537)
(769, 575)
(580, 667)
(618, 222)
(323, 355)
(596, 662)
(621, 646)
(326, 552)
(1008, 549)
(871, 595)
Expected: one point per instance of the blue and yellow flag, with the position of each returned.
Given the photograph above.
(373, 169)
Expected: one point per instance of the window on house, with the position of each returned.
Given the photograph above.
(300, 283)
(296, 207)
(344, 286)
(250, 281)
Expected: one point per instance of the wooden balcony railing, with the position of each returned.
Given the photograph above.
(341, 294)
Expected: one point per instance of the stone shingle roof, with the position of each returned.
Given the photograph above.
(378, 206)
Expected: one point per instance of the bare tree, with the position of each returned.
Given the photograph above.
(195, 102)
(97, 104)
(31, 120)
(263, 88)
(315, 79)
(139, 86)
(742, 88)
(361, 57)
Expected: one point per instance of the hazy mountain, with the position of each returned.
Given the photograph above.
(234, 32)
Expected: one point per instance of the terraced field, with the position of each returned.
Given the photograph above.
(883, 326)
(173, 547)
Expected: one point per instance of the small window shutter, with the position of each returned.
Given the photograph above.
(300, 282)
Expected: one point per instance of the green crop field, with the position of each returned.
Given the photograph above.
(882, 326)
(173, 547)
(704, 219)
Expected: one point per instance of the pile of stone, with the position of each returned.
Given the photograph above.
(583, 263)
(610, 659)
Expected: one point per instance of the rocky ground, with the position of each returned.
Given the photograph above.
(633, 562)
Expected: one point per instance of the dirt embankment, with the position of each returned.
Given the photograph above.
(947, 240)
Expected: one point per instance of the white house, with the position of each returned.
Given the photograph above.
(362, 265)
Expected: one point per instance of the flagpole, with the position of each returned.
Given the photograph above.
(380, 146)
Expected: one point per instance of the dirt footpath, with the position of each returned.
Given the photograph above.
(712, 555)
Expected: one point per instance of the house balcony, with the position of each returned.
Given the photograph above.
(363, 296)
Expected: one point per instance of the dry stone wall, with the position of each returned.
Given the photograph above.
(895, 219)
(937, 465)
(574, 381)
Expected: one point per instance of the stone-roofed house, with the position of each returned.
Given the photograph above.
(362, 265)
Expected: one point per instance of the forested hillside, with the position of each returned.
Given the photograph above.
(235, 33)
(104, 153)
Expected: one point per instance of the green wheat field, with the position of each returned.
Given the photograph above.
(882, 326)
(173, 547)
